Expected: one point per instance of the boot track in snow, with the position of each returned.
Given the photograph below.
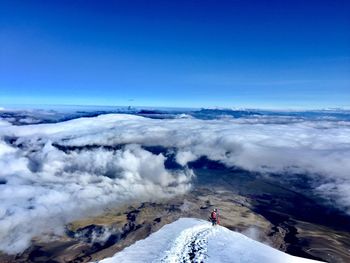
(190, 246)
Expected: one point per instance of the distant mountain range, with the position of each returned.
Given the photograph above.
(25, 116)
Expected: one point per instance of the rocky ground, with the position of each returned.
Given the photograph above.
(261, 208)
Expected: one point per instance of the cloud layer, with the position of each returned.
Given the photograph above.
(42, 187)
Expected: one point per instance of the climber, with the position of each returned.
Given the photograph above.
(214, 217)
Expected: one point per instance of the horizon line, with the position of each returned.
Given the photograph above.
(233, 108)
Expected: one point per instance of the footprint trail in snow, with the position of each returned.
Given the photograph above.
(190, 246)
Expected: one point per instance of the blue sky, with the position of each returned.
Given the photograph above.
(268, 54)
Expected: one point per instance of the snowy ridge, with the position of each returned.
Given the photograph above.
(194, 240)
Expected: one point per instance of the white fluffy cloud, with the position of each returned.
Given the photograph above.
(46, 187)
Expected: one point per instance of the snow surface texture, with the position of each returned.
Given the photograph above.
(42, 188)
(195, 240)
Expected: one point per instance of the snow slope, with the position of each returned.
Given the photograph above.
(195, 240)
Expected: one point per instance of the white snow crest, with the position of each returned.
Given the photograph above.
(194, 240)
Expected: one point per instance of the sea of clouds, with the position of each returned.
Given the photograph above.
(43, 187)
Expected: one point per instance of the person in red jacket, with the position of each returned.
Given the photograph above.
(214, 217)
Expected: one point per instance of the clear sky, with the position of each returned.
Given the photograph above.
(264, 53)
